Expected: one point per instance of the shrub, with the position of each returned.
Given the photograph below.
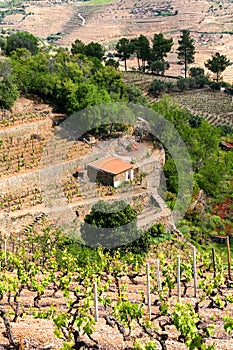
(195, 121)
(158, 86)
(201, 80)
(192, 83)
(183, 84)
(111, 62)
(196, 72)
(216, 85)
(22, 40)
(225, 129)
(8, 92)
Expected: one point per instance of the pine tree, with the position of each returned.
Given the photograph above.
(141, 47)
(217, 64)
(161, 47)
(124, 49)
(186, 50)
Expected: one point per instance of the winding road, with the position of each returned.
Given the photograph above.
(82, 18)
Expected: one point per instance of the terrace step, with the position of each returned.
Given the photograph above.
(74, 22)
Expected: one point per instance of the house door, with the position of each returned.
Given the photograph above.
(129, 175)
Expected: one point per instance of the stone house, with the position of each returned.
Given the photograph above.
(111, 171)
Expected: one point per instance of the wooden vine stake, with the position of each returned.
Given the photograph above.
(148, 289)
(228, 257)
(96, 302)
(5, 258)
(178, 278)
(194, 272)
(158, 275)
(214, 261)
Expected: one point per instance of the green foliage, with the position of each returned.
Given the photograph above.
(77, 47)
(73, 82)
(186, 50)
(160, 47)
(112, 63)
(183, 84)
(151, 345)
(84, 95)
(225, 129)
(2, 43)
(171, 173)
(51, 263)
(210, 175)
(215, 85)
(22, 40)
(228, 325)
(158, 67)
(118, 221)
(217, 64)
(202, 142)
(124, 49)
(94, 50)
(91, 49)
(196, 82)
(186, 320)
(142, 244)
(157, 87)
(200, 81)
(135, 95)
(195, 121)
(8, 92)
(121, 219)
(126, 312)
(141, 47)
(196, 72)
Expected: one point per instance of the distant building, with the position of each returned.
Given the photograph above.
(111, 171)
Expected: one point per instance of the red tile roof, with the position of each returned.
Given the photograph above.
(111, 165)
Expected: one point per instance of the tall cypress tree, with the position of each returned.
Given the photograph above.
(186, 50)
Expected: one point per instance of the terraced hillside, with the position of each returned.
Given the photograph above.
(215, 106)
(210, 23)
(26, 192)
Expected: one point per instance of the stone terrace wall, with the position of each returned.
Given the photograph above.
(23, 131)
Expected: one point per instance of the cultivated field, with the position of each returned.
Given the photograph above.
(215, 106)
(45, 293)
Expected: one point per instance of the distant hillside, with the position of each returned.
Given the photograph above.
(210, 22)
